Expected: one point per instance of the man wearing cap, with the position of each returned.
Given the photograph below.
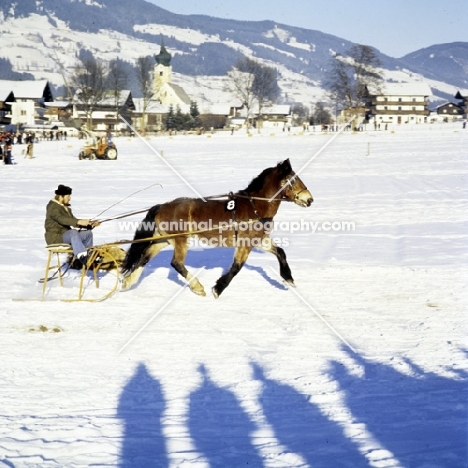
(60, 221)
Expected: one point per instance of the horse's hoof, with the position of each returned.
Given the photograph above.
(126, 285)
(215, 293)
(199, 292)
(290, 283)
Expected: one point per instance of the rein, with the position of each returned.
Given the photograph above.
(213, 197)
(249, 197)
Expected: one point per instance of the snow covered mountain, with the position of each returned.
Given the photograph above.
(446, 62)
(42, 39)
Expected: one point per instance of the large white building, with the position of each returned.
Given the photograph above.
(400, 103)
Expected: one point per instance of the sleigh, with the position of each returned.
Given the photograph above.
(95, 281)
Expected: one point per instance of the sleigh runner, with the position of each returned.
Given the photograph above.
(103, 262)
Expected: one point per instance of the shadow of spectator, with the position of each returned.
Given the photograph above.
(220, 428)
(303, 429)
(420, 417)
(140, 408)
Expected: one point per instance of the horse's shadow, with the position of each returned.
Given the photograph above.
(209, 258)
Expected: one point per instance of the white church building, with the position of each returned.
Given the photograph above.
(166, 92)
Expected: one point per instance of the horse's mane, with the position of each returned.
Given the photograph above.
(258, 182)
(283, 168)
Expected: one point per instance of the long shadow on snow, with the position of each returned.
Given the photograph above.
(420, 418)
(141, 405)
(303, 429)
(209, 259)
(220, 428)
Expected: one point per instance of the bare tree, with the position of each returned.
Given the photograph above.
(253, 83)
(89, 81)
(117, 81)
(144, 70)
(266, 88)
(352, 75)
(241, 86)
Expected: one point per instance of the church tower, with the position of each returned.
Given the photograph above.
(163, 69)
(164, 91)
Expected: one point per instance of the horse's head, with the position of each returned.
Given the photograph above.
(292, 187)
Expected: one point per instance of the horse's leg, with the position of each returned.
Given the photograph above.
(240, 257)
(148, 254)
(180, 252)
(269, 246)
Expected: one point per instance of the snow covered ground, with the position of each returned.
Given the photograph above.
(259, 377)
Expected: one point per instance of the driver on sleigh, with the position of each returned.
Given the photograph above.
(60, 221)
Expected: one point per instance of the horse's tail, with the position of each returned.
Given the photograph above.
(145, 230)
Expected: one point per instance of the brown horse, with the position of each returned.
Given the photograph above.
(241, 220)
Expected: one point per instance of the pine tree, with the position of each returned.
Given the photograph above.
(195, 120)
(179, 119)
(170, 119)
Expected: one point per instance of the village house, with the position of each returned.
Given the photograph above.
(447, 112)
(399, 103)
(463, 97)
(105, 116)
(7, 98)
(150, 119)
(30, 96)
(219, 115)
(59, 111)
(274, 116)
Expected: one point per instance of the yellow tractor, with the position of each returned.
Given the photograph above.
(98, 148)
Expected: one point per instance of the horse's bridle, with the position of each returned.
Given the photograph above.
(290, 182)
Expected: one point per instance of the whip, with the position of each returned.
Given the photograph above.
(120, 201)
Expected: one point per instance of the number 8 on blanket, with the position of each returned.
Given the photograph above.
(230, 205)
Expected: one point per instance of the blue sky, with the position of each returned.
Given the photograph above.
(395, 27)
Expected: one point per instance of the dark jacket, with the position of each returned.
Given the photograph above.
(59, 219)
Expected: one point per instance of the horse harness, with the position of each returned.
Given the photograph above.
(231, 205)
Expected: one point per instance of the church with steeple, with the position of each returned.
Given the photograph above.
(164, 91)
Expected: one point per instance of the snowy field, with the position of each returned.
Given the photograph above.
(364, 364)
